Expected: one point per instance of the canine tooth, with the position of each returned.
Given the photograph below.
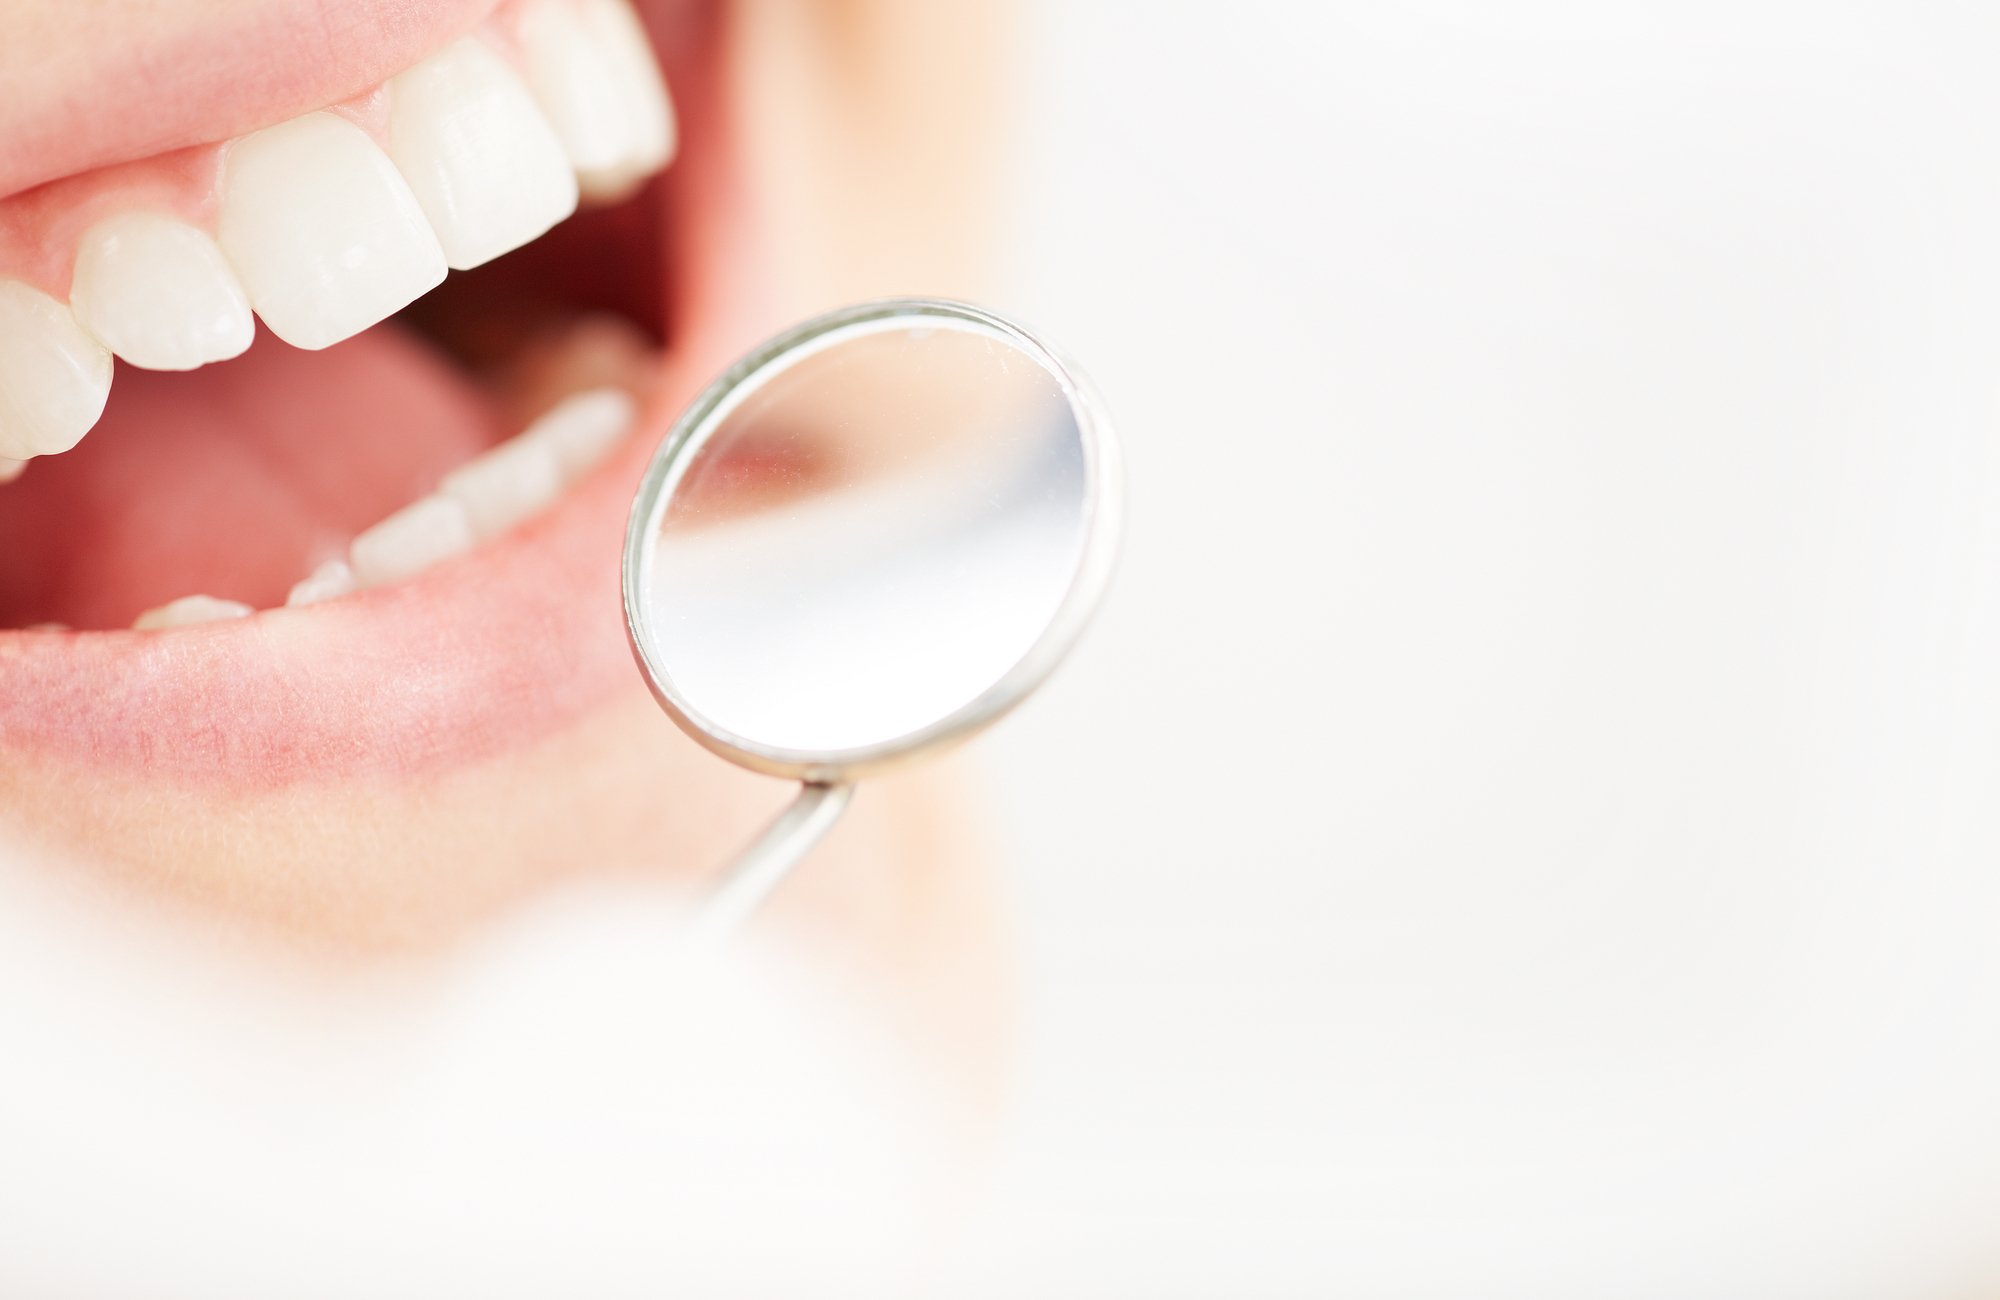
(11, 469)
(157, 292)
(582, 428)
(591, 68)
(53, 376)
(189, 610)
(410, 541)
(506, 485)
(327, 582)
(323, 230)
(482, 160)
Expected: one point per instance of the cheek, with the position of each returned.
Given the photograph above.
(870, 139)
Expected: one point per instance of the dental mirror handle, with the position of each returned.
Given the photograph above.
(762, 867)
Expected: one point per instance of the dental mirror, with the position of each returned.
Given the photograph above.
(870, 538)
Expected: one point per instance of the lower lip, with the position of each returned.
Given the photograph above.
(483, 653)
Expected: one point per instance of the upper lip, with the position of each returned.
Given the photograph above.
(201, 73)
(476, 655)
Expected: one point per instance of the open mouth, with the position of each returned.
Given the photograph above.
(378, 527)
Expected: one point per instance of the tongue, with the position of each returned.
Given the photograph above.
(235, 480)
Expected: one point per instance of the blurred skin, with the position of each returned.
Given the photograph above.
(852, 155)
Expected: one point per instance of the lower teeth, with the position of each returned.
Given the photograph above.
(480, 500)
(330, 580)
(189, 610)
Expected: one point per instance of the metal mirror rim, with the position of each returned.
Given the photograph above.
(1103, 506)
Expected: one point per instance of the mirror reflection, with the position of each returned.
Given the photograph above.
(867, 535)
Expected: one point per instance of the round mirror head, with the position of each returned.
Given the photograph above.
(874, 534)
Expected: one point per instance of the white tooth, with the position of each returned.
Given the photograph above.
(53, 376)
(189, 610)
(582, 428)
(328, 581)
(478, 154)
(11, 469)
(410, 541)
(157, 292)
(323, 231)
(506, 485)
(591, 68)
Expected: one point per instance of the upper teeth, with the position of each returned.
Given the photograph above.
(484, 163)
(53, 376)
(325, 230)
(156, 291)
(593, 73)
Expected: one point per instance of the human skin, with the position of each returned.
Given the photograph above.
(820, 162)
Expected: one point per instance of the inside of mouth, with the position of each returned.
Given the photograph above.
(238, 479)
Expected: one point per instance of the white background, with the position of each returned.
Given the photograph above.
(1523, 827)
(1526, 823)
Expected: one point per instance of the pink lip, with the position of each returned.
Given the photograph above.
(475, 656)
(482, 654)
(202, 72)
